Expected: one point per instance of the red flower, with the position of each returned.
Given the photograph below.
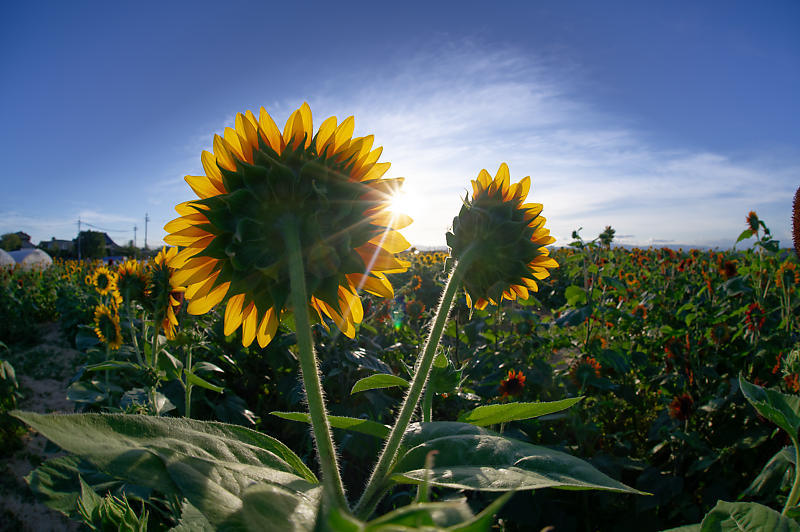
(755, 317)
(513, 384)
(681, 407)
(792, 382)
(752, 220)
(581, 370)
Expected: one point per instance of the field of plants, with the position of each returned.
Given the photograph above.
(632, 360)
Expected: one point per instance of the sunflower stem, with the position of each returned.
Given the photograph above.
(380, 474)
(331, 479)
(794, 495)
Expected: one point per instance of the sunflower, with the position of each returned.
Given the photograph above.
(681, 407)
(504, 237)
(164, 294)
(131, 280)
(256, 182)
(106, 326)
(752, 221)
(755, 317)
(787, 275)
(104, 280)
(513, 384)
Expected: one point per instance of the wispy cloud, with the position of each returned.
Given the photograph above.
(443, 116)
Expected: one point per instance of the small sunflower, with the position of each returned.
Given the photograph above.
(752, 221)
(106, 326)
(681, 407)
(787, 275)
(131, 280)
(104, 280)
(257, 179)
(513, 384)
(165, 296)
(505, 238)
(755, 317)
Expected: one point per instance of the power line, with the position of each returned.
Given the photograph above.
(107, 230)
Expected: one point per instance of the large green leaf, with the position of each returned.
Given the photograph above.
(494, 414)
(470, 457)
(773, 476)
(210, 464)
(271, 507)
(57, 483)
(364, 426)
(746, 517)
(379, 380)
(781, 409)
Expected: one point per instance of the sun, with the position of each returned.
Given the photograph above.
(401, 202)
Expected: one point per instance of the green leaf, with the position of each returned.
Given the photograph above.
(747, 233)
(210, 464)
(685, 528)
(746, 517)
(776, 473)
(575, 295)
(271, 507)
(56, 483)
(363, 426)
(431, 515)
(111, 365)
(781, 409)
(494, 414)
(192, 520)
(484, 520)
(198, 381)
(379, 380)
(470, 457)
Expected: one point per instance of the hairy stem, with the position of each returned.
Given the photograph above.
(423, 368)
(331, 479)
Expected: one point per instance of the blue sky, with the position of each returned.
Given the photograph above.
(667, 120)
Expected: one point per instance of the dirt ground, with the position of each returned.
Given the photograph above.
(43, 371)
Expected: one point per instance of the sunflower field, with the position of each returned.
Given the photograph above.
(291, 364)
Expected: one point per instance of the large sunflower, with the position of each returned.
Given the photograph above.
(504, 239)
(259, 179)
(131, 280)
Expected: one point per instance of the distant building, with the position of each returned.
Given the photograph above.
(25, 238)
(56, 245)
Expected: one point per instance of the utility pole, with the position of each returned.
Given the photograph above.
(134, 236)
(79, 239)
(146, 219)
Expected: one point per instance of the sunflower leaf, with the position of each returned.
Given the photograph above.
(494, 414)
(470, 457)
(363, 426)
(377, 381)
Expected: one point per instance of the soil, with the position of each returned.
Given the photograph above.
(43, 372)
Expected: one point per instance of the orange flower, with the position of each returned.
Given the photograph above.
(513, 384)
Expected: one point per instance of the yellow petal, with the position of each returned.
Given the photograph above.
(484, 179)
(391, 241)
(270, 132)
(293, 131)
(521, 291)
(376, 284)
(205, 303)
(233, 314)
(266, 331)
(532, 210)
(249, 323)
(544, 262)
(211, 168)
(481, 304)
(202, 186)
(344, 133)
(308, 124)
(325, 135)
(376, 171)
(502, 179)
(246, 132)
(237, 146)
(188, 220)
(386, 218)
(351, 303)
(523, 187)
(191, 275)
(378, 259)
(223, 155)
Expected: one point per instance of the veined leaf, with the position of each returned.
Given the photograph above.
(199, 381)
(746, 517)
(781, 409)
(470, 457)
(271, 507)
(210, 464)
(364, 426)
(379, 380)
(494, 414)
(747, 233)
